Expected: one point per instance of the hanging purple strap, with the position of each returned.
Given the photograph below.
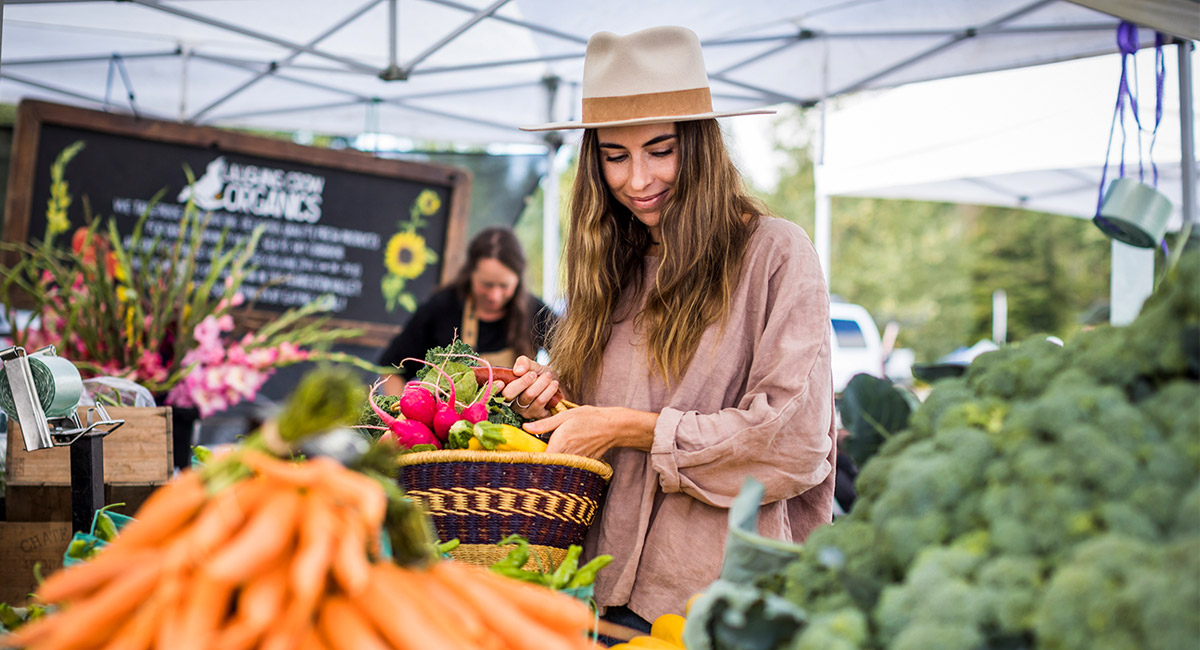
(1128, 44)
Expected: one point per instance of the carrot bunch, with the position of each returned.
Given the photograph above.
(288, 557)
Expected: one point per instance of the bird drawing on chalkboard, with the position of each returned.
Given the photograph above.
(206, 191)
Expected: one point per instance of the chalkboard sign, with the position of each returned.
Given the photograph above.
(376, 235)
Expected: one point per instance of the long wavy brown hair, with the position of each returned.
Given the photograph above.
(705, 228)
(502, 245)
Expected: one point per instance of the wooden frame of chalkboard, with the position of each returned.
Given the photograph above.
(378, 235)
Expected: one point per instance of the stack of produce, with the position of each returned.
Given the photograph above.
(258, 552)
(1049, 499)
(478, 475)
(450, 405)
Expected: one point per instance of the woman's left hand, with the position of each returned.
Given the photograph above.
(592, 430)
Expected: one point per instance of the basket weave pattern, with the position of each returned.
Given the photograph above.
(482, 497)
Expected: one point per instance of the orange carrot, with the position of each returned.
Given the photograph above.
(138, 632)
(344, 628)
(264, 538)
(513, 626)
(82, 579)
(465, 621)
(295, 623)
(312, 641)
(221, 517)
(204, 608)
(263, 597)
(350, 566)
(282, 471)
(163, 514)
(237, 635)
(314, 552)
(352, 488)
(558, 611)
(99, 616)
(404, 622)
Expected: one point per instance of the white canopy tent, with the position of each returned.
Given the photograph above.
(471, 71)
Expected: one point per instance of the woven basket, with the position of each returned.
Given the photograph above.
(481, 497)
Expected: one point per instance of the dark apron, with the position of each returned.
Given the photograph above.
(470, 335)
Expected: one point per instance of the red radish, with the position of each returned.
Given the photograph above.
(408, 433)
(418, 404)
(444, 418)
(474, 413)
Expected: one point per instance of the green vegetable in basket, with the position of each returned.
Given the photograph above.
(34, 612)
(567, 568)
(9, 618)
(517, 557)
(106, 529)
(586, 574)
(83, 548)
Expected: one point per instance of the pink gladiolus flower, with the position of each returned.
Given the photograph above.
(290, 352)
(262, 358)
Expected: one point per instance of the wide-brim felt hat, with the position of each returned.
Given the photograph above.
(649, 77)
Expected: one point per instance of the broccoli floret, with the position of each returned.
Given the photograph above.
(844, 629)
(1119, 592)
(1187, 522)
(840, 569)
(1016, 371)
(1012, 586)
(924, 636)
(937, 590)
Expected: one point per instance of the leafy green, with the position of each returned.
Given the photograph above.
(872, 409)
(369, 418)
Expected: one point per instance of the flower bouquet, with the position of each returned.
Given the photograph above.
(157, 312)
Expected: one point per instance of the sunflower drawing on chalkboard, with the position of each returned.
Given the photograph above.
(407, 255)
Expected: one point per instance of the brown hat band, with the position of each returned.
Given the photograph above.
(694, 101)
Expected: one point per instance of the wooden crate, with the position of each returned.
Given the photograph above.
(53, 502)
(138, 453)
(22, 545)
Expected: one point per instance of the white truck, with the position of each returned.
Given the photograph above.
(856, 344)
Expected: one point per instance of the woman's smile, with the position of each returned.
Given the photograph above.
(649, 202)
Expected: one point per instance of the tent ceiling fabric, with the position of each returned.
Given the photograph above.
(1033, 139)
(476, 69)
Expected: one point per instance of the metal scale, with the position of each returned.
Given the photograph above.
(85, 438)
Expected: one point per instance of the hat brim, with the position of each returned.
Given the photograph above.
(559, 126)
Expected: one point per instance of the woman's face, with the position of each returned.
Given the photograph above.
(492, 285)
(640, 164)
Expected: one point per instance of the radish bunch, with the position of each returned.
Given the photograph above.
(428, 411)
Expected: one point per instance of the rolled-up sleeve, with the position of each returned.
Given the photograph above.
(772, 362)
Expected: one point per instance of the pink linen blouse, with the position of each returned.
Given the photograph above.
(757, 400)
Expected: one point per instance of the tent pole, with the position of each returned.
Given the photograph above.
(822, 204)
(1187, 144)
(550, 203)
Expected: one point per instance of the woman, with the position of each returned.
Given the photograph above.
(487, 306)
(696, 331)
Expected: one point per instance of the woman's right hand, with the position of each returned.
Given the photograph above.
(532, 389)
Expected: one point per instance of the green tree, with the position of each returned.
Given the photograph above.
(932, 267)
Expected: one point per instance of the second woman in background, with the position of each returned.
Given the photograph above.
(487, 305)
